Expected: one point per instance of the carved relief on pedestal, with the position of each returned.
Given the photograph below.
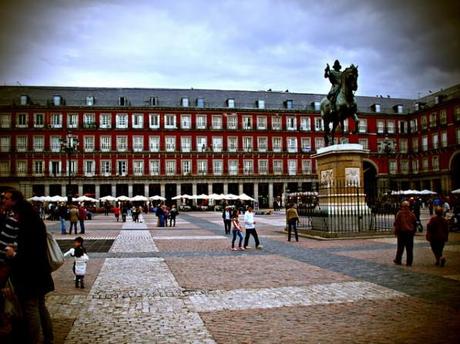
(352, 176)
(327, 178)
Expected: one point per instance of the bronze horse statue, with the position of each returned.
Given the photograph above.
(345, 105)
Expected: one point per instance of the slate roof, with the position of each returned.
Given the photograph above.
(171, 98)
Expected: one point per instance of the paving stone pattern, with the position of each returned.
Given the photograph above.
(185, 285)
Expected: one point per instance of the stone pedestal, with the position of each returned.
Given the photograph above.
(342, 203)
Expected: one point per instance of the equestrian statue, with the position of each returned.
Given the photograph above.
(340, 101)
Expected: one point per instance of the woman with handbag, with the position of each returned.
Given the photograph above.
(30, 268)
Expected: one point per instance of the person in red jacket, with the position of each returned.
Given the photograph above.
(437, 233)
(404, 229)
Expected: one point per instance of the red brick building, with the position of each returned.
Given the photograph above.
(173, 141)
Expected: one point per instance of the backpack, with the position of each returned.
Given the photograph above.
(55, 256)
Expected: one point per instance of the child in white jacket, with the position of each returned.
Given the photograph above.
(80, 261)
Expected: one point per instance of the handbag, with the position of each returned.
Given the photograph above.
(55, 256)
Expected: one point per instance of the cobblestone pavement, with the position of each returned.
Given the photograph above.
(183, 284)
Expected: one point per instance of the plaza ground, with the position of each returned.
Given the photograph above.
(184, 285)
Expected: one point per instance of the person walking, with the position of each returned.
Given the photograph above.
(237, 230)
(63, 213)
(437, 233)
(81, 218)
(30, 269)
(116, 212)
(227, 218)
(404, 229)
(73, 218)
(250, 227)
(292, 218)
(172, 216)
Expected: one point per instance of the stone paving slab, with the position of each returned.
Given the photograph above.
(247, 271)
(238, 299)
(190, 237)
(134, 241)
(139, 320)
(398, 320)
(216, 245)
(134, 277)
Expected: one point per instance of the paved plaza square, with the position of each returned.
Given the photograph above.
(183, 284)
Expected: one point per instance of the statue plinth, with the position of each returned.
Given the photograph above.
(341, 198)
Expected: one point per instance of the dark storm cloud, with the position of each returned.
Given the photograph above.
(403, 48)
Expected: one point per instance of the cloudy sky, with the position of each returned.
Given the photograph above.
(403, 48)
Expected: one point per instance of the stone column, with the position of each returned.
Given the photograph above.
(194, 192)
(114, 190)
(163, 189)
(282, 198)
(47, 190)
(146, 190)
(80, 189)
(270, 195)
(210, 202)
(130, 190)
(97, 191)
(240, 188)
(225, 188)
(256, 192)
(179, 192)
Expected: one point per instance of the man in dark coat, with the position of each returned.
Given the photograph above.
(404, 228)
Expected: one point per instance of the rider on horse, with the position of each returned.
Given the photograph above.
(335, 77)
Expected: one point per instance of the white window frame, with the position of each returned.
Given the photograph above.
(105, 120)
(5, 120)
(292, 167)
(186, 167)
(217, 144)
(91, 172)
(201, 143)
(307, 166)
(138, 143)
(122, 143)
(305, 143)
(106, 167)
(38, 143)
(170, 121)
(122, 167)
(232, 143)
(201, 122)
(170, 143)
(217, 167)
(217, 122)
(277, 144)
(121, 121)
(261, 122)
(186, 144)
(72, 120)
(276, 122)
(233, 167)
(21, 167)
(138, 167)
(22, 143)
(155, 167)
(22, 120)
(38, 167)
(56, 120)
(232, 122)
(305, 123)
(105, 143)
(291, 143)
(247, 143)
(262, 144)
(154, 144)
(291, 123)
(247, 122)
(42, 124)
(248, 167)
(154, 121)
(262, 167)
(88, 143)
(186, 121)
(278, 167)
(5, 144)
(202, 167)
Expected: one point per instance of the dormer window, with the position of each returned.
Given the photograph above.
(153, 101)
(399, 108)
(57, 100)
(230, 102)
(438, 99)
(376, 108)
(261, 104)
(89, 101)
(200, 102)
(24, 100)
(316, 106)
(289, 104)
(122, 101)
(185, 102)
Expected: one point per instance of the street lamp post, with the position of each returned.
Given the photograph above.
(388, 149)
(70, 146)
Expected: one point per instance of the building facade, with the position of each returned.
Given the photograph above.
(174, 141)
